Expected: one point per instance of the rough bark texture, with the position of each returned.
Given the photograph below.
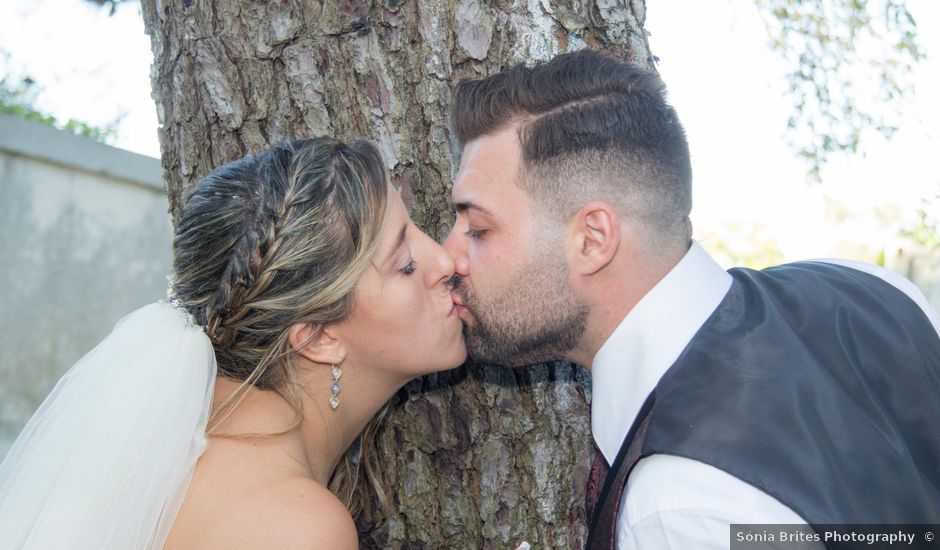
(481, 457)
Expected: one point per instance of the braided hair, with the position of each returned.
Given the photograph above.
(273, 240)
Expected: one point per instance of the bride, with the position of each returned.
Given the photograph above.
(302, 298)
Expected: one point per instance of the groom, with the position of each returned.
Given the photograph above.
(807, 392)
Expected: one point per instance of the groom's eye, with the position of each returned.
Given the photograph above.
(475, 234)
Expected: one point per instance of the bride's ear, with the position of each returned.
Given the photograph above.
(316, 343)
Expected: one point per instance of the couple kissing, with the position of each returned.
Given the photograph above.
(303, 297)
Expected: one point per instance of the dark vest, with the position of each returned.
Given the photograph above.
(818, 384)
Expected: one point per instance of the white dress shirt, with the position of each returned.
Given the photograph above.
(672, 502)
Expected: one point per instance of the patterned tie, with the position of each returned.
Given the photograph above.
(599, 470)
(604, 491)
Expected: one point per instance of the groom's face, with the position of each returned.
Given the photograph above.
(513, 276)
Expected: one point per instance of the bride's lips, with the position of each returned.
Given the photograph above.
(459, 306)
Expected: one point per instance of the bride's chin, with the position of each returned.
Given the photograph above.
(455, 358)
(461, 350)
(456, 353)
(463, 357)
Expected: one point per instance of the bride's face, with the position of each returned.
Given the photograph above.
(403, 319)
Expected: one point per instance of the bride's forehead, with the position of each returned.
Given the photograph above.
(395, 212)
(394, 227)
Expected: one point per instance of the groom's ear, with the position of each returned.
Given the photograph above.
(316, 343)
(594, 237)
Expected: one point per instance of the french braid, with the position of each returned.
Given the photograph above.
(273, 240)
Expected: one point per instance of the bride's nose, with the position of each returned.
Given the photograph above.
(441, 265)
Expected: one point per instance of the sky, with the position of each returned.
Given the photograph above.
(91, 67)
(728, 88)
(750, 190)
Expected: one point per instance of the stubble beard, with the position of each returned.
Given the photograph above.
(537, 319)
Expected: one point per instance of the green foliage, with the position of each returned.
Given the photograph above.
(742, 244)
(926, 231)
(18, 96)
(853, 62)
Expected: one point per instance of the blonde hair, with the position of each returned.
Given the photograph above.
(273, 240)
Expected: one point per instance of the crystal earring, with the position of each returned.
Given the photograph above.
(334, 400)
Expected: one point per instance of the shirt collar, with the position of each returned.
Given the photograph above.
(648, 341)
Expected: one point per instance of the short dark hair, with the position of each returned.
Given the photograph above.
(590, 126)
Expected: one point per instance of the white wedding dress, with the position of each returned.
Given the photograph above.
(106, 460)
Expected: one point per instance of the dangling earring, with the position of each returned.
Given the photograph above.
(334, 400)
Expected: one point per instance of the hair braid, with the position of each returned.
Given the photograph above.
(262, 243)
(273, 240)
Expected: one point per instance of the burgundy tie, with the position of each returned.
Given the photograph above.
(605, 491)
(596, 478)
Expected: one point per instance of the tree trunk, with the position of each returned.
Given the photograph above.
(480, 457)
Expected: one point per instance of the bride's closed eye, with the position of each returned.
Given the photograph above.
(410, 267)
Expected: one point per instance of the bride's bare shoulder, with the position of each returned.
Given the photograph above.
(292, 513)
(302, 514)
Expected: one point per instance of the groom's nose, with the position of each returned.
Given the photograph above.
(456, 245)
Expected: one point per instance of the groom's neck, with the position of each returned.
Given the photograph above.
(611, 296)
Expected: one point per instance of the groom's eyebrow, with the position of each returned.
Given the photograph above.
(463, 206)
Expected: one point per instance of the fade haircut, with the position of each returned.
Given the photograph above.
(591, 127)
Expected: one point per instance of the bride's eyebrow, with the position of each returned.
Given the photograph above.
(397, 245)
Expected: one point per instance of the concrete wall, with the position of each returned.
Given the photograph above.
(84, 240)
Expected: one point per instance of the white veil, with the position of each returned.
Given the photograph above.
(106, 460)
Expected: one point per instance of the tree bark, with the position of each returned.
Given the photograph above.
(480, 457)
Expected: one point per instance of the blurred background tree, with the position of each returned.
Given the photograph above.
(18, 94)
(831, 46)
